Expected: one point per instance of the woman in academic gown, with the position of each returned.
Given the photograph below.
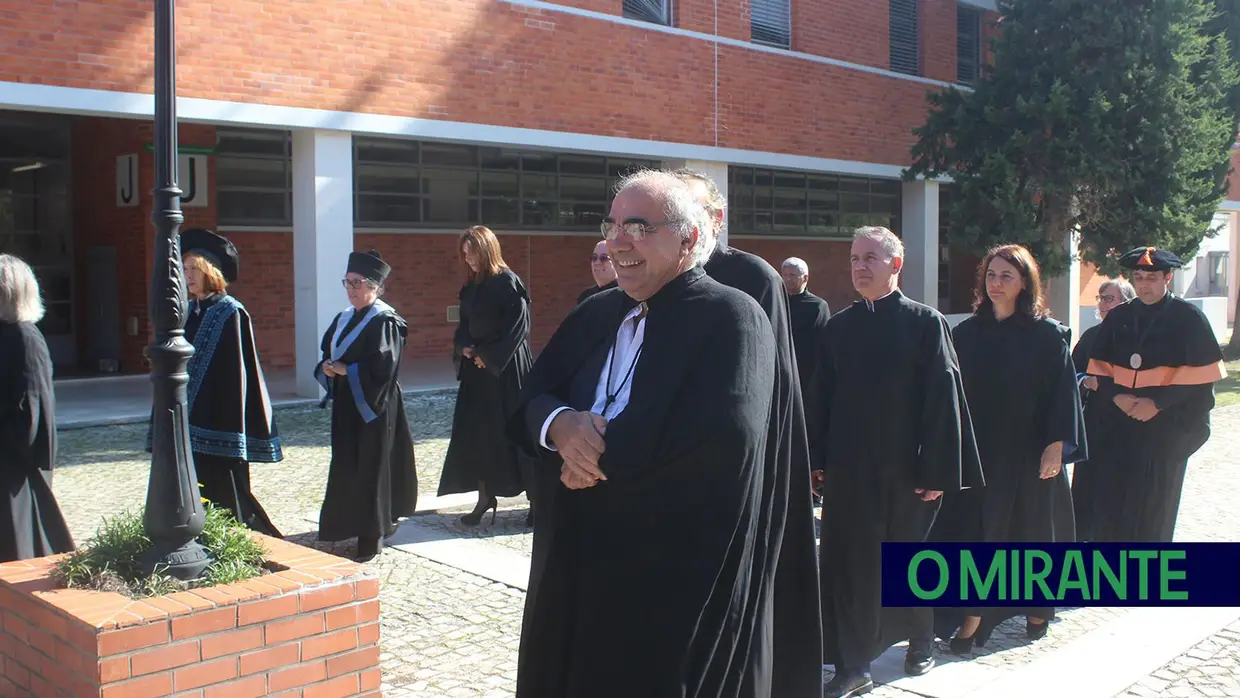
(31, 523)
(231, 423)
(1086, 487)
(372, 480)
(492, 356)
(1021, 388)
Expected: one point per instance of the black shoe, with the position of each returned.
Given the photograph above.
(367, 548)
(848, 684)
(474, 517)
(918, 661)
(1035, 631)
(962, 646)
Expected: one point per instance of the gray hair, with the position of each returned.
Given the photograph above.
(1126, 291)
(798, 264)
(684, 214)
(891, 242)
(715, 202)
(19, 291)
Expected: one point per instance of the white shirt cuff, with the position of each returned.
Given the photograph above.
(542, 437)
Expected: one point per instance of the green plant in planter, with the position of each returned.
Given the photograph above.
(109, 561)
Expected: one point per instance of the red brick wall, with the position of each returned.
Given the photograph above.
(1233, 180)
(492, 62)
(97, 220)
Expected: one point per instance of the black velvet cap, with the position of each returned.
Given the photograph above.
(215, 249)
(1150, 259)
(370, 265)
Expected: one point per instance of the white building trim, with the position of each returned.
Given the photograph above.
(1229, 206)
(73, 100)
(737, 43)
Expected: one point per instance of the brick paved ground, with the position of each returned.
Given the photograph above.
(450, 633)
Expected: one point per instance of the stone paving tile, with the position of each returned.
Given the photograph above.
(1210, 669)
(447, 632)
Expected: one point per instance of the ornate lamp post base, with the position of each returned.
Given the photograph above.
(185, 563)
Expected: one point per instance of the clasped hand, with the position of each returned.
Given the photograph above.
(1139, 408)
(578, 437)
(468, 352)
(335, 368)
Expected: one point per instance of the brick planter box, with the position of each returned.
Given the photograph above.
(309, 630)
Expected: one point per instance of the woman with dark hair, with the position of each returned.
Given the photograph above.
(1021, 388)
(492, 356)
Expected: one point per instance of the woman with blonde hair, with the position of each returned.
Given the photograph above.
(231, 423)
(492, 356)
(1020, 386)
(31, 523)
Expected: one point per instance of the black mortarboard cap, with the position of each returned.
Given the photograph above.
(370, 265)
(215, 249)
(1150, 259)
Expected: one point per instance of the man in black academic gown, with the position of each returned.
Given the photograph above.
(372, 480)
(898, 435)
(649, 408)
(797, 619)
(1156, 360)
(809, 315)
(601, 269)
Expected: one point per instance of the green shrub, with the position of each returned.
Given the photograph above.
(110, 560)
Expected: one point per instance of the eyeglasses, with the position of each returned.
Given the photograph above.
(635, 228)
(600, 258)
(355, 283)
(1108, 298)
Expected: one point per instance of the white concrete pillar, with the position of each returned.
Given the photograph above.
(322, 241)
(717, 171)
(920, 223)
(1065, 292)
(1233, 261)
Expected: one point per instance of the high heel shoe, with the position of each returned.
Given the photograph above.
(474, 517)
(962, 646)
(1036, 631)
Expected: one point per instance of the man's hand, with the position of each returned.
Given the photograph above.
(1125, 402)
(479, 362)
(1090, 383)
(578, 437)
(333, 368)
(468, 352)
(574, 479)
(1143, 409)
(1052, 461)
(929, 495)
(816, 480)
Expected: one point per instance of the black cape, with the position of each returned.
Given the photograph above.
(595, 289)
(796, 622)
(1085, 485)
(1142, 464)
(495, 321)
(231, 422)
(809, 315)
(1022, 394)
(372, 479)
(31, 523)
(649, 583)
(897, 420)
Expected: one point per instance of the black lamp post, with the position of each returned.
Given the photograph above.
(174, 513)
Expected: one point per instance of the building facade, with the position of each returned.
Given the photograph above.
(309, 130)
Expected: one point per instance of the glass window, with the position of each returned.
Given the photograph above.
(254, 177)
(402, 183)
(774, 202)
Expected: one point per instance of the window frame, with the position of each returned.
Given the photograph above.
(897, 19)
(975, 59)
(223, 190)
(738, 210)
(628, 12)
(786, 42)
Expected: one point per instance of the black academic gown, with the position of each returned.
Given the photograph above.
(897, 420)
(373, 478)
(792, 563)
(809, 315)
(1142, 464)
(1021, 389)
(595, 289)
(649, 583)
(31, 523)
(1085, 485)
(495, 321)
(231, 422)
